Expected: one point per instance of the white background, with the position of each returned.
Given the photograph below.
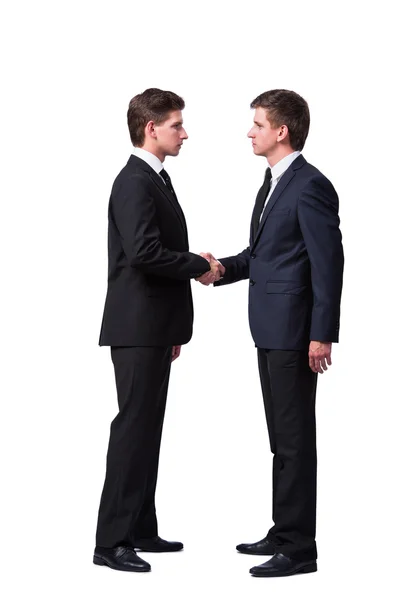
(69, 70)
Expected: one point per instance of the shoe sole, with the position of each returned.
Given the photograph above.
(256, 553)
(138, 549)
(305, 569)
(103, 563)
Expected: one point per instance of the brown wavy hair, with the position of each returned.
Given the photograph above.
(152, 105)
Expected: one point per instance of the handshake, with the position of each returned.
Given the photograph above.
(217, 270)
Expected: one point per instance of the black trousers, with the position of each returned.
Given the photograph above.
(289, 389)
(127, 508)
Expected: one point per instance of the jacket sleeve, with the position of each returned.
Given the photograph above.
(133, 210)
(237, 268)
(319, 222)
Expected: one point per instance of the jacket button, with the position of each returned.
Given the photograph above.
(252, 256)
(252, 282)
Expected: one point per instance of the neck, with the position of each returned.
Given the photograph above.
(154, 150)
(275, 155)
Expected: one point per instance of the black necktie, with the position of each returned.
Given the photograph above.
(168, 184)
(260, 201)
(167, 180)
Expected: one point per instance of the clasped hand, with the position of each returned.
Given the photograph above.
(217, 270)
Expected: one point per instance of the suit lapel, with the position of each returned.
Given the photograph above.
(172, 199)
(138, 162)
(278, 191)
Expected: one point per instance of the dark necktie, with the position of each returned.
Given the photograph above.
(260, 201)
(167, 180)
(168, 184)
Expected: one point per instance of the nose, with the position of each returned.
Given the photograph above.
(184, 135)
(250, 134)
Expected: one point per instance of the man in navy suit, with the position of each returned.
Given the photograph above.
(294, 264)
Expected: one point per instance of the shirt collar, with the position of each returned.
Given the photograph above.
(278, 170)
(149, 158)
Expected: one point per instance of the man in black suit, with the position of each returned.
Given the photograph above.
(295, 266)
(148, 315)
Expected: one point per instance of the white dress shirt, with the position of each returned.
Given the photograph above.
(149, 158)
(277, 171)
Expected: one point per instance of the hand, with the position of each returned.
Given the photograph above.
(217, 270)
(176, 350)
(319, 354)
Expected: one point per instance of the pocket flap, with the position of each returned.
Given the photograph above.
(285, 287)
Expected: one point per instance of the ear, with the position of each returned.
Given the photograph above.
(283, 133)
(150, 129)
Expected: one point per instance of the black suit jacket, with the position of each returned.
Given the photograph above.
(294, 263)
(149, 298)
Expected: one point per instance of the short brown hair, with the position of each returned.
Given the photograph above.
(152, 105)
(286, 108)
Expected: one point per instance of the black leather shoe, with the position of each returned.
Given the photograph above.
(280, 565)
(121, 558)
(157, 544)
(263, 547)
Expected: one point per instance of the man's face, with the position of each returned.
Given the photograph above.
(170, 134)
(264, 137)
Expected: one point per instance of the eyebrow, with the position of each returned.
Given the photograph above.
(177, 123)
(257, 123)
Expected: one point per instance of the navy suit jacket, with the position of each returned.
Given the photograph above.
(294, 263)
